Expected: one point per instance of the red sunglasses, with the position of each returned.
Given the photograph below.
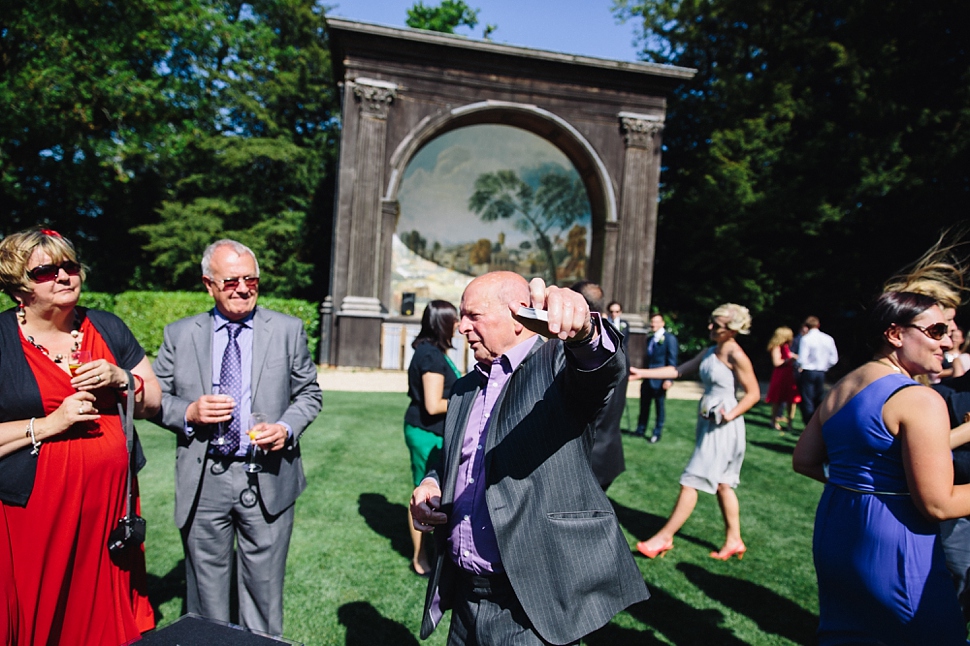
(47, 273)
(231, 284)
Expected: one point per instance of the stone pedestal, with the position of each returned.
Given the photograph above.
(358, 332)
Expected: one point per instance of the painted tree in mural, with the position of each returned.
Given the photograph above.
(544, 208)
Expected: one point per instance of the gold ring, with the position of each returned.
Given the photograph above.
(80, 409)
(99, 379)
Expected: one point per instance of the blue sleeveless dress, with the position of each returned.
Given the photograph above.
(882, 577)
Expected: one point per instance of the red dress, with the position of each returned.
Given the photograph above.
(70, 590)
(782, 388)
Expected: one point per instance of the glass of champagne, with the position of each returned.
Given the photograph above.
(219, 439)
(255, 419)
(77, 359)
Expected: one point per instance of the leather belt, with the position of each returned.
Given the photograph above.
(485, 585)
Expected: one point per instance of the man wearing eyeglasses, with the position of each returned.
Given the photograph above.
(816, 356)
(218, 370)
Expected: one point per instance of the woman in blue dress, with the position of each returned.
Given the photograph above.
(880, 443)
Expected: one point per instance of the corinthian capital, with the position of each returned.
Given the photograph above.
(375, 96)
(640, 129)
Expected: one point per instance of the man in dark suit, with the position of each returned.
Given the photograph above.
(661, 351)
(217, 370)
(606, 457)
(529, 550)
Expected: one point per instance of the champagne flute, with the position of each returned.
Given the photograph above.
(220, 437)
(77, 359)
(255, 419)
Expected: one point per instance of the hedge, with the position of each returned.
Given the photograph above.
(147, 313)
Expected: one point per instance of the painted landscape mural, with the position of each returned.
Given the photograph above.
(485, 198)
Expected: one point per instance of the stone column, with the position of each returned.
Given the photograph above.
(637, 238)
(358, 324)
(374, 98)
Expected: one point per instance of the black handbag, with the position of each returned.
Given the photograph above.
(131, 527)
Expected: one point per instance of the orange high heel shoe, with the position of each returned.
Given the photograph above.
(738, 551)
(650, 554)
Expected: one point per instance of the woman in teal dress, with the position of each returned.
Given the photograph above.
(430, 377)
(880, 442)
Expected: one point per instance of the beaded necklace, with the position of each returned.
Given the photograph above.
(75, 334)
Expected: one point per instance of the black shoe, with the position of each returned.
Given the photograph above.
(641, 430)
(653, 439)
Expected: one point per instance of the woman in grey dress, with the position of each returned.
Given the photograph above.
(715, 466)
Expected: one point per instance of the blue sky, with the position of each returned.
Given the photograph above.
(584, 27)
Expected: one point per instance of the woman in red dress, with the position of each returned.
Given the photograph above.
(66, 430)
(782, 388)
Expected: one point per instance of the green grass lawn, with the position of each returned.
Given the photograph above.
(347, 579)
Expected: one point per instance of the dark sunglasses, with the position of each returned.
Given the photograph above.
(47, 273)
(716, 325)
(230, 284)
(936, 331)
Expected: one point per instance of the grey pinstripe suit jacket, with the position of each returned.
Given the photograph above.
(569, 564)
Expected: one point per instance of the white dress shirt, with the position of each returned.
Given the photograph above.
(816, 351)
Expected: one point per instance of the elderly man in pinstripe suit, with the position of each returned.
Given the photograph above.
(529, 550)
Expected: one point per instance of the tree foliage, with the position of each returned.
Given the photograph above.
(820, 146)
(445, 18)
(544, 208)
(146, 129)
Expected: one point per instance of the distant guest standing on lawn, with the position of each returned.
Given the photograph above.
(529, 550)
(431, 375)
(217, 370)
(782, 391)
(64, 468)
(715, 466)
(817, 355)
(661, 351)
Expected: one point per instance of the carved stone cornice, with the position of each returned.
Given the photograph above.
(375, 96)
(640, 129)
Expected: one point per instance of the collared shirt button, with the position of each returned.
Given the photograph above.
(467, 517)
(479, 447)
(465, 553)
(471, 481)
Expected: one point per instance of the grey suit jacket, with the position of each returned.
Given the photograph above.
(565, 555)
(284, 386)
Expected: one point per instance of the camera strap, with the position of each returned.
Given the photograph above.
(128, 419)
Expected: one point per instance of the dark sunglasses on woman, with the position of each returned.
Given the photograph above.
(47, 273)
(936, 331)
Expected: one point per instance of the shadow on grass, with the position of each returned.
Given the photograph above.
(643, 525)
(676, 620)
(388, 519)
(770, 611)
(165, 588)
(367, 627)
(785, 449)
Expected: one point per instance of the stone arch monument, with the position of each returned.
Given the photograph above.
(402, 88)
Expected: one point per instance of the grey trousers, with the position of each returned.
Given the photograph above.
(955, 535)
(219, 521)
(487, 613)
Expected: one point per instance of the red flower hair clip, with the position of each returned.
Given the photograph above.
(51, 233)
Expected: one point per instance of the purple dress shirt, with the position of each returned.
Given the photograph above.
(472, 542)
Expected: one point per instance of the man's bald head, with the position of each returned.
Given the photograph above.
(486, 316)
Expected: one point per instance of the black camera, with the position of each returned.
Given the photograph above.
(130, 531)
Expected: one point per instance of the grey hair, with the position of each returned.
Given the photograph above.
(238, 247)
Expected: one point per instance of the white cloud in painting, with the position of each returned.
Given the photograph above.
(441, 177)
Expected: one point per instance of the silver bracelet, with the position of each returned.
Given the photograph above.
(33, 438)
